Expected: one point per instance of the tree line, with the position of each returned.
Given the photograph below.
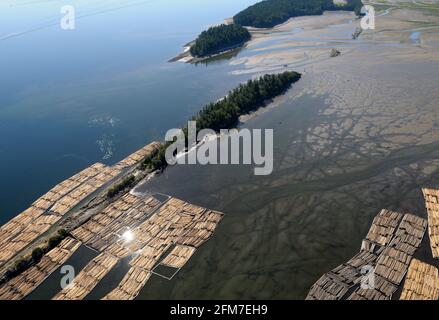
(244, 99)
(224, 114)
(25, 263)
(268, 13)
(219, 38)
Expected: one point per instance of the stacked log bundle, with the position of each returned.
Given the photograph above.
(383, 227)
(23, 284)
(175, 223)
(432, 204)
(421, 283)
(153, 229)
(88, 278)
(150, 254)
(385, 254)
(178, 256)
(392, 265)
(130, 286)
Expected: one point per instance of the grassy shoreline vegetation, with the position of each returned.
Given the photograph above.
(124, 184)
(269, 13)
(225, 113)
(218, 39)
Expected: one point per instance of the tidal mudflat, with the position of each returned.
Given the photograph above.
(357, 134)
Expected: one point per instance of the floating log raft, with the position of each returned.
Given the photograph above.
(23, 284)
(141, 227)
(381, 290)
(338, 281)
(32, 231)
(48, 209)
(88, 278)
(409, 235)
(386, 252)
(63, 188)
(69, 201)
(175, 222)
(130, 286)
(139, 155)
(178, 256)
(395, 259)
(328, 287)
(107, 227)
(392, 265)
(421, 283)
(154, 228)
(178, 222)
(150, 254)
(432, 203)
(383, 227)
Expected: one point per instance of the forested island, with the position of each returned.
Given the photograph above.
(218, 39)
(268, 13)
(225, 113)
(264, 14)
(244, 99)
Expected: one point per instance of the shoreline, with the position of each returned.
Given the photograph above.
(186, 56)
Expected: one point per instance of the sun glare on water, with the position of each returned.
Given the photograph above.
(128, 236)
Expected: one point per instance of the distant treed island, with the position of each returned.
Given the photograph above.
(265, 14)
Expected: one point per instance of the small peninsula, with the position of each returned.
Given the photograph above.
(234, 33)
